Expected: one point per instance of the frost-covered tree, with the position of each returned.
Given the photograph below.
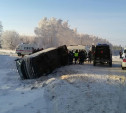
(10, 39)
(1, 28)
(86, 39)
(27, 39)
(46, 32)
(54, 32)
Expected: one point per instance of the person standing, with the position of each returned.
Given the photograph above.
(120, 53)
(76, 56)
(70, 56)
(81, 56)
(89, 56)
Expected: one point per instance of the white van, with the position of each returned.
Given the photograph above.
(24, 49)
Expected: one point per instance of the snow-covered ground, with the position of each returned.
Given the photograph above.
(69, 89)
(7, 52)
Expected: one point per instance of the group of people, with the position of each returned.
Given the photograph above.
(36, 50)
(79, 56)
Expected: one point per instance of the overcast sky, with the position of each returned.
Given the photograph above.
(102, 18)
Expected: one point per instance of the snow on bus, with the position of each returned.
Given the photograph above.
(75, 47)
(25, 49)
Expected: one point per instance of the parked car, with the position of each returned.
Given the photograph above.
(103, 55)
(124, 63)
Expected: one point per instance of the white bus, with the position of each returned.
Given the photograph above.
(75, 47)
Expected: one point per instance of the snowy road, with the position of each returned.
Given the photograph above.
(69, 89)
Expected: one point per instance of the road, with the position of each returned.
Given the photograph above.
(122, 97)
(116, 70)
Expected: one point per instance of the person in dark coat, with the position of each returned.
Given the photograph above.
(120, 53)
(81, 56)
(70, 57)
(89, 56)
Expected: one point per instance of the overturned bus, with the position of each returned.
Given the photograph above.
(42, 62)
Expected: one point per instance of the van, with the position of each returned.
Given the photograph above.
(24, 49)
(103, 54)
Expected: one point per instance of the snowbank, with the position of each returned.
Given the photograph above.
(7, 52)
(84, 93)
(16, 95)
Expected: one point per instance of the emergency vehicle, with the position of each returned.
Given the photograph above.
(24, 49)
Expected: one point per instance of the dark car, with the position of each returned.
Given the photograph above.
(103, 55)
